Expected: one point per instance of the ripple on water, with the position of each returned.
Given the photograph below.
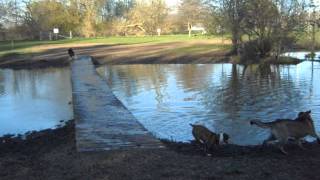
(223, 97)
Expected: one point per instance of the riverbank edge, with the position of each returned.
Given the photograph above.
(24, 63)
(282, 60)
(50, 138)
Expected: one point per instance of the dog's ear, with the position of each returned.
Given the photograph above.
(300, 114)
(309, 112)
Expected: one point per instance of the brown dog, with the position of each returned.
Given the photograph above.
(210, 139)
(285, 129)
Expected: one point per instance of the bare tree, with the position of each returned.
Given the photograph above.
(191, 12)
(232, 14)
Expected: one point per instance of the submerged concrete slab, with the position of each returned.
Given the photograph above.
(102, 121)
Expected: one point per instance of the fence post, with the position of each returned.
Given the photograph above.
(70, 34)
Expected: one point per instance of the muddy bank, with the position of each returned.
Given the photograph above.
(26, 64)
(281, 60)
(158, 53)
(219, 57)
(194, 52)
(51, 154)
(17, 62)
(266, 61)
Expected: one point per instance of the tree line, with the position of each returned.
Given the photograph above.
(262, 26)
(92, 18)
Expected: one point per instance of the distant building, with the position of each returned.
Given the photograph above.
(199, 28)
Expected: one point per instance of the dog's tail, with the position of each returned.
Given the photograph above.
(260, 124)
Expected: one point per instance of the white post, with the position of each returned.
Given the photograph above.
(56, 32)
(70, 34)
(189, 28)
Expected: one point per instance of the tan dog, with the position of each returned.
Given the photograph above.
(285, 129)
(204, 136)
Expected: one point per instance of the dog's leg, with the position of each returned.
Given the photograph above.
(270, 138)
(318, 139)
(299, 141)
(207, 149)
(281, 143)
(314, 134)
(282, 150)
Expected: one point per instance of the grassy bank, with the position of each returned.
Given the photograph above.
(21, 47)
(117, 50)
(123, 50)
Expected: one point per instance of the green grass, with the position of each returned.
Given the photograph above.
(21, 47)
(199, 48)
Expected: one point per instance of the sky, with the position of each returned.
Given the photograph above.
(172, 3)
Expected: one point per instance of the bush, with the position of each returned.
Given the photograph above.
(249, 52)
(252, 51)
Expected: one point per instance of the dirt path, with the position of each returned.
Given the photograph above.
(200, 51)
(52, 155)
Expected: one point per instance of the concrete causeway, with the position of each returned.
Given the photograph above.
(102, 121)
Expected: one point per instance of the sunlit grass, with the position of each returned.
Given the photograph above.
(8, 45)
(8, 48)
(199, 48)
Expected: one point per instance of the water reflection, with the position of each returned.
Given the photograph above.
(302, 55)
(34, 99)
(1, 83)
(224, 97)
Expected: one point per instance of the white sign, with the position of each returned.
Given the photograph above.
(159, 31)
(55, 30)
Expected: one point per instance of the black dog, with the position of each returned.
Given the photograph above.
(71, 52)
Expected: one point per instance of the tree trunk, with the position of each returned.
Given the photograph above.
(235, 41)
(189, 28)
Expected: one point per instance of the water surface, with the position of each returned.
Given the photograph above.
(34, 99)
(223, 97)
(302, 55)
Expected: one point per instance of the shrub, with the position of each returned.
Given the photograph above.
(252, 51)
